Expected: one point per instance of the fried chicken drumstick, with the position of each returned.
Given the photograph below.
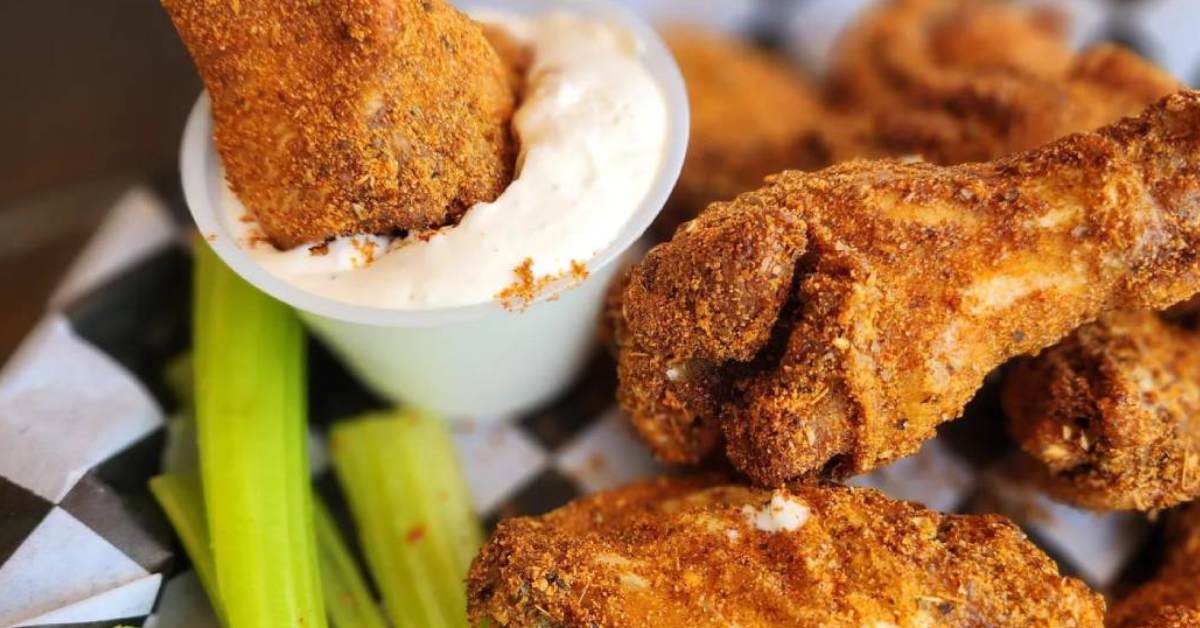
(1172, 598)
(351, 116)
(690, 552)
(830, 321)
(958, 81)
(1111, 412)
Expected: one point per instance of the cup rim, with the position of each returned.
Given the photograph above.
(198, 157)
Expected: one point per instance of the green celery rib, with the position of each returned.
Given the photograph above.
(182, 498)
(413, 513)
(346, 595)
(249, 365)
(347, 598)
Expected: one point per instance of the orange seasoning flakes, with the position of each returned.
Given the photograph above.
(415, 533)
(579, 270)
(255, 237)
(366, 251)
(527, 287)
(521, 292)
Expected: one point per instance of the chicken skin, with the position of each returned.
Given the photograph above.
(1172, 598)
(693, 552)
(1111, 413)
(751, 115)
(351, 116)
(958, 81)
(829, 321)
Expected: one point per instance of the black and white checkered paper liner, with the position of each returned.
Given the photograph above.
(83, 406)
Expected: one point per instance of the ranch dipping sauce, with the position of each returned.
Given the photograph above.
(593, 133)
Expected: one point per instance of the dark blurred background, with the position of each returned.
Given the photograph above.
(93, 96)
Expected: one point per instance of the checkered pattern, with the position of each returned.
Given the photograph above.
(82, 403)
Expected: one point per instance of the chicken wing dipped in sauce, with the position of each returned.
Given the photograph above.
(351, 116)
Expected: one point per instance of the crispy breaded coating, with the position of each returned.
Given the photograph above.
(899, 48)
(959, 81)
(752, 115)
(951, 80)
(1166, 617)
(351, 116)
(690, 552)
(1172, 598)
(910, 282)
(732, 289)
(1113, 412)
(516, 56)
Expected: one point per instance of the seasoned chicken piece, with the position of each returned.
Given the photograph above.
(830, 321)
(1113, 412)
(924, 42)
(1172, 598)
(958, 81)
(751, 115)
(722, 295)
(1166, 617)
(351, 116)
(952, 80)
(691, 552)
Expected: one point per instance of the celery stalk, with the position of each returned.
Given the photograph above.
(182, 498)
(413, 514)
(251, 426)
(349, 602)
(346, 595)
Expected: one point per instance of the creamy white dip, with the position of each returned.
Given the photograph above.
(593, 133)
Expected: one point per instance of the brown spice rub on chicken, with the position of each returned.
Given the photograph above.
(351, 116)
(1165, 617)
(1172, 598)
(858, 307)
(1113, 412)
(721, 295)
(752, 115)
(953, 81)
(959, 81)
(691, 552)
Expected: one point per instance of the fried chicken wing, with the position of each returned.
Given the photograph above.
(692, 552)
(951, 80)
(1165, 617)
(1111, 413)
(959, 81)
(1172, 598)
(898, 286)
(751, 115)
(351, 116)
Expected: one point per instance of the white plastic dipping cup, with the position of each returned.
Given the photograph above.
(480, 361)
